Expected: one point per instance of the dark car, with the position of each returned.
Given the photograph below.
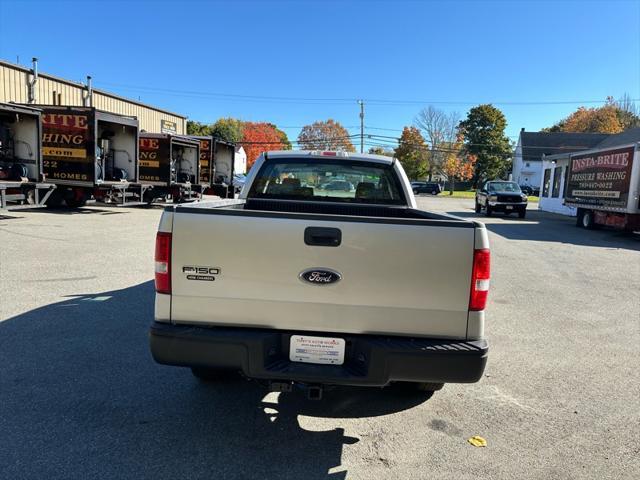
(426, 187)
(501, 196)
(529, 190)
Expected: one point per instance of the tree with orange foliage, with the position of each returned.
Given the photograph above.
(612, 117)
(457, 164)
(258, 137)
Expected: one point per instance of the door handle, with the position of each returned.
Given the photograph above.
(322, 236)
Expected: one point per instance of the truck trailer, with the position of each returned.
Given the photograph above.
(216, 166)
(22, 182)
(88, 153)
(170, 164)
(223, 162)
(206, 161)
(604, 186)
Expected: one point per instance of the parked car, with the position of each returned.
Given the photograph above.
(433, 188)
(330, 289)
(529, 190)
(501, 196)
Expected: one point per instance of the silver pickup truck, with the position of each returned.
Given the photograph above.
(323, 272)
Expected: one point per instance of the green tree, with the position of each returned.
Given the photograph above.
(484, 138)
(197, 128)
(228, 129)
(329, 135)
(284, 139)
(413, 153)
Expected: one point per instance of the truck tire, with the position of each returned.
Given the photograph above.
(76, 202)
(489, 210)
(55, 199)
(206, 374)
(478, 207)
(434, 192)
(522, 213)
(587, 220)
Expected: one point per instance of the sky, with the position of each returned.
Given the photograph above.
(294, 62)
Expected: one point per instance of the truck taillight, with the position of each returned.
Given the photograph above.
(163, 262)
(480, 279)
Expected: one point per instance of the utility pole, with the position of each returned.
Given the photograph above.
(361, 103)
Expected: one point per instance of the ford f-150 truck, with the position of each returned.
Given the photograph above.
(296, 283)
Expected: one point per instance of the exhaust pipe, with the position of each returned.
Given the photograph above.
(31, 90)
(89, 92)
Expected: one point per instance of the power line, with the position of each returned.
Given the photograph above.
(343, 100)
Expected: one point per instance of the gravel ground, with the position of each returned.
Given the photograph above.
(80, 396)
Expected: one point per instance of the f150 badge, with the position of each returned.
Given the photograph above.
(205, 274)
(320, 276)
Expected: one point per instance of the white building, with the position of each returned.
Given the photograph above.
(527, 160)
(240, 161)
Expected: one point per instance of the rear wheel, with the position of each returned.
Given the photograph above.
(76, 202)
(434, 192)
(587, 220)
(55, 199)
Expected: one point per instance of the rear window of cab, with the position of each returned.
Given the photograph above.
(339, 180)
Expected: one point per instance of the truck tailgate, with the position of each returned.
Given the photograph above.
(399, 277)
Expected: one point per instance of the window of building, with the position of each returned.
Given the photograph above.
(546, 183)
(557, 177)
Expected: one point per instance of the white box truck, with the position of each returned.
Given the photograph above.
(604, 186)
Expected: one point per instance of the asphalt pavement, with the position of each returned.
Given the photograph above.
(80, 396)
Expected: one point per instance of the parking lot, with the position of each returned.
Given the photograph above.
(80, 396)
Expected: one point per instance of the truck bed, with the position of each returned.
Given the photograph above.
(404, 271)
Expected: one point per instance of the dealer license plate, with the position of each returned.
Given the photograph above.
(308, 349)
(509, 207)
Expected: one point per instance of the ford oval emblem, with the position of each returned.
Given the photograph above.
(320, 276)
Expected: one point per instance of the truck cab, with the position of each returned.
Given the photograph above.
(501, 196)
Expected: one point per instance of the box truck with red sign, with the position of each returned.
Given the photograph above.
(170, 164)
(604, 186)
(224, 154)
(216, 166)
(89, 153)
(21, 176)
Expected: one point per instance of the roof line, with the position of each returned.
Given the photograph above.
(82, 86)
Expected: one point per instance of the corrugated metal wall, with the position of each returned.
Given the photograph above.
(13, 88)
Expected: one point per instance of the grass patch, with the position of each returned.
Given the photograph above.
(472, 194)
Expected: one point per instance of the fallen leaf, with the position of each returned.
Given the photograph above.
(477, 441)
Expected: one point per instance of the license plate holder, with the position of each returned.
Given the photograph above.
(509, 207)
(319, 350)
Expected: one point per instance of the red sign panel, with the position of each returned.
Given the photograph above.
(600, 178)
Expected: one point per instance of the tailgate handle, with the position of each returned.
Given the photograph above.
(322, 236)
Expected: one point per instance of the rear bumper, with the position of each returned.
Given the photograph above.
(507, 207)
(369, 360)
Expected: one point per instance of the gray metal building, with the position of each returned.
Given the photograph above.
(26, 85)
